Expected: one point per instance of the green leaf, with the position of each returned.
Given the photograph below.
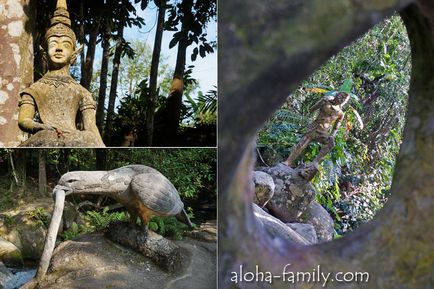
(347, 85)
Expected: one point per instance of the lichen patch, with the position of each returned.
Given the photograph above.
(16, 52)
(3, 97)
(3, 120)
(15, 28)
(15, 9)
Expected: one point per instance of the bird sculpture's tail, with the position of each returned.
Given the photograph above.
(183, 217)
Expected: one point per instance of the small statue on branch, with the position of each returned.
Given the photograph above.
(325, 126)
(57, 99)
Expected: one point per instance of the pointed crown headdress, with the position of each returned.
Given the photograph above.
(60, 24)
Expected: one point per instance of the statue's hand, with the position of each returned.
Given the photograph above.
(41, 126)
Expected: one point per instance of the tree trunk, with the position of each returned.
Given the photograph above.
(101, 159)
(16, 64)
(40, 62)
(114, 84)
(81, 38)
(150, 108)
(269, 69)
(174, 100)
(86, 78)
(42, 156)
(165, 253)
(18, 164)
(64, 160)
(103, 80)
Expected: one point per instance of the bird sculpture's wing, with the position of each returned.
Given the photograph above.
(157, 193)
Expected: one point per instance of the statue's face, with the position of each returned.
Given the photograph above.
(60, 50)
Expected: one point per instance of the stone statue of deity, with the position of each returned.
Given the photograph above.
(57, 99)
(329, 118)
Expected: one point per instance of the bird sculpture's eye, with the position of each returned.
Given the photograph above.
(71, 180)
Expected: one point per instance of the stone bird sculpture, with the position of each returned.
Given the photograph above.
(144, 192)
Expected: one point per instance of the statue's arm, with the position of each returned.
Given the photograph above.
(88, 111)
(317, 105)
(26, 113)
(89, 123)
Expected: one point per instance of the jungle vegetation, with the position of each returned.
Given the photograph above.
(354, 180)
(30, 174)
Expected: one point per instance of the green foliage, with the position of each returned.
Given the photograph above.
(100, 220)
(73, 232)
(203, 110)
(93, 221)
(130, 118)
(8, 220)
(136, 69)
(354, 179)
(39, 215)
(6, 196)
(167, 227)
(193, 16)
(97, 221)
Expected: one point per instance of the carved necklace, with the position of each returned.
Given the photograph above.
(57, 80)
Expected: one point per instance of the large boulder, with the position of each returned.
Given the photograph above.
(277, 228)
(307, 231)
(264, 188)
(94, 262)
(5, 275)
(316, 215)
(26, 225)
(293, 192)
(10, 254)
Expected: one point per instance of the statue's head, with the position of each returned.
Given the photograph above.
(60, 38)
(83, 182)
(340, 98)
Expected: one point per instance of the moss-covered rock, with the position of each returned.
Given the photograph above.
(10, 254)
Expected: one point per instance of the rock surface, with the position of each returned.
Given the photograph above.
(10, 254)
(316, 215)
(293, 192)
(277, 228)
(206, 232)
(50, 138)
(94, 262)
(19, 278)
(5, 275)
(163, 252)
(23, 227)
(307, 231)
(264, 188)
